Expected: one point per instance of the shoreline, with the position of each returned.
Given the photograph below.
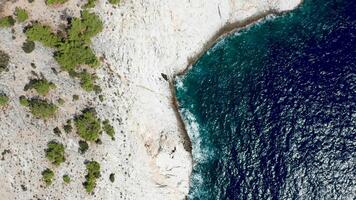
(152, 154)
(225, 31)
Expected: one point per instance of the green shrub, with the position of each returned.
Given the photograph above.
(93, 169)
(42, 86)
(21, 14)
(4, 100)
(97, 89)
(68, 127)
(82, 29)
(101, 98)
(114, 2)
(66, 178)
(75, 50)
(108, 129)
(39, 108)
(4, 61)
(28, 46)
(88, 125)
(83, 146)
(57, 131)
(51, 2)
(55, 152)
(72, 54)
(75, 97)
(6, 22)
(47, 176)
(24, 101)
(90, 4)
(112, 177)
(61, 101)
(87, 81)
(43, 34)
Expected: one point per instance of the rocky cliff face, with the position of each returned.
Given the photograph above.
(143, 45)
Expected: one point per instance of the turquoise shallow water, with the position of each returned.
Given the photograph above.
(271, 109)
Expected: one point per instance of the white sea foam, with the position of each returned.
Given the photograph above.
(195, 131)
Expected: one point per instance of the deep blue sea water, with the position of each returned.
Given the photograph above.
(271, 109)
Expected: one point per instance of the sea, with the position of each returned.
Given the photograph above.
(271, 108)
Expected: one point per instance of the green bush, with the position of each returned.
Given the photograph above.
(42, 86)
(83, 147)
(112, 177)
(90, 4)
(39, 108)
(51, 2)
(47, 176)
(101, 98)
(115, 2)
(24, 101)
(4, 61)
(57, 131)
(66, 178)
(4, 100)
(28, 46)
(87, 81)
(72, 54)
(55, 152)
(6, 22)
(108, 129)
(61, 101)
(21, 14)
(75, 97)
(88, 125)
(75, 50)
(43, 34)
(82, 29)
(93, 169)
(68, 127)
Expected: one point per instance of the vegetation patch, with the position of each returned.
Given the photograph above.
(39, 108)
(55, 152)
(28, 46)
(75, 97)
(51, 2)
(4, 61)
(82, 29)
(114, 2)
(72, 54)
(93, 169)
(83, 147)
(66, 178)
(109, 129)
(42, 86)
(88, 125)
(87, 81)
(68, 127)
(43, 34)
(4, 100)
(61, 101)
(21, 14)
(90, 4)
(6, 22)
(112, 177)
(74, 49)
(47, 176)
(57, 131)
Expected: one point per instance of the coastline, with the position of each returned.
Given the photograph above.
(223, 32)
(151, 156)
